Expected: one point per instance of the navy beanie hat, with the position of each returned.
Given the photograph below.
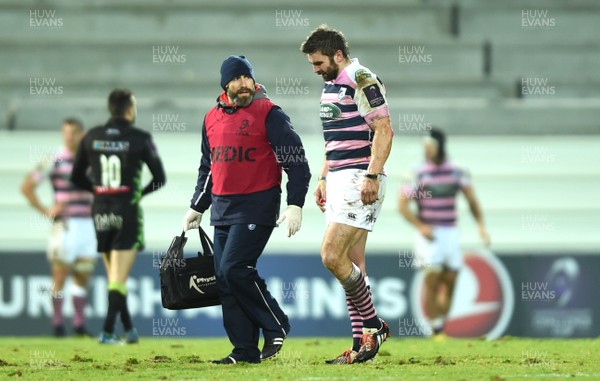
(234, 66)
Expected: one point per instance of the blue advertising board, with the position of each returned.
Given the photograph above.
(551, 295)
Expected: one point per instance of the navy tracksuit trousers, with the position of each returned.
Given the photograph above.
(247, 304)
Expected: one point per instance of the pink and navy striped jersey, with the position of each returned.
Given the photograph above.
(434, 188)
(78, 203)
(348, 105)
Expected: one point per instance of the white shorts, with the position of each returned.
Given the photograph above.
(71, 239)
(343, 203)
(443, 252)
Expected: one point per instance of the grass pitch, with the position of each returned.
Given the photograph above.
(300, 359)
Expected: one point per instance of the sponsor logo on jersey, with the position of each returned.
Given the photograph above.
(227, 154)
(243, 128)
(329, 111)
(110, 146)
(362, 75)
(108, 221)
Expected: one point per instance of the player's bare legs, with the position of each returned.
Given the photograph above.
(82, 270)
(335, 251)
(449, 280)
(105, 259)
(120, 264)
(433, 279)
(357, 256)
(338, 242)
(59, 275)
(438, 306)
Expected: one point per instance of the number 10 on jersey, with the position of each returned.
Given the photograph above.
(111, 171)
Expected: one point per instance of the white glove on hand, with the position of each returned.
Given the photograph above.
(293, 215)
(191, 220)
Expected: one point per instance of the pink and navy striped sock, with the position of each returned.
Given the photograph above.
(79, 303)
(357, 324)
(360, 296)
(57, 314)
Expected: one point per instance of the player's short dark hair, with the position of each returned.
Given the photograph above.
(119, 101)
(440, 137)
(74, 122)
(327, 41)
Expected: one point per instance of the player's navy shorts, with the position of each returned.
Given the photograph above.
(119, 225)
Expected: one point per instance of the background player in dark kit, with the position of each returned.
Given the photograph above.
(116, 152)
(244, 141)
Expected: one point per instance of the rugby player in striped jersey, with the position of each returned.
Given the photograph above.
(434, 186)
(351, 188)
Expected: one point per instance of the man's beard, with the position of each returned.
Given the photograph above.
(331, 73)
(241, 100)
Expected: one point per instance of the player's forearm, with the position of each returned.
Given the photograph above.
(80, 166)
(409, 216)
(28, 190)
(79, 178)
(381, 146)
(154, 185)
(34, 201)
(159, 178)
(324, 169)
(83, 183)
(476, 212)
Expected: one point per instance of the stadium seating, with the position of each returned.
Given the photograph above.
(473, 58)
(103, 44)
